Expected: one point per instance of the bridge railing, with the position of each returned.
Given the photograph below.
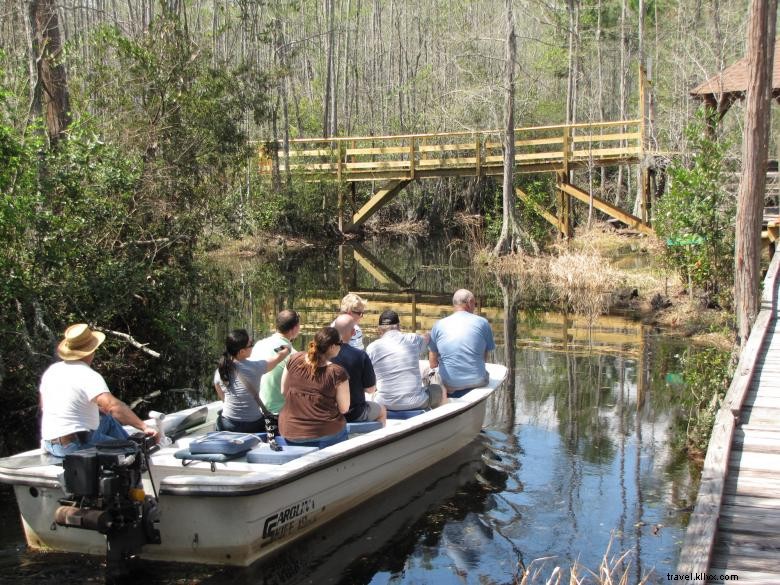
(410, 156)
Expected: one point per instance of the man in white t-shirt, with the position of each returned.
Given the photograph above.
(78, 408)
(396, 360)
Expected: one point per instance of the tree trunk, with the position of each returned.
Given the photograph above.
(760, 51)
(506, 242)
(52, 80)
(572, 7)
(327, 114)
(624, 50)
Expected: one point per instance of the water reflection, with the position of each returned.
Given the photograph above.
(578, 440)
(582, 428)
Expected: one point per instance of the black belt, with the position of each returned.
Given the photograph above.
(66, 440)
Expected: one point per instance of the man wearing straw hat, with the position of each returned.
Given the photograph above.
(78, 408)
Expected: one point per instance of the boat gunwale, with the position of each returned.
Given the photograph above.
(267, 484)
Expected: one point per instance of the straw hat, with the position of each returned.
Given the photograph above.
(79, 342)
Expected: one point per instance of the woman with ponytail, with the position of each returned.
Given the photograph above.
(237, 382)
(316, 394)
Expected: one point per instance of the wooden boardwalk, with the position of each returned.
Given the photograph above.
(734, 531)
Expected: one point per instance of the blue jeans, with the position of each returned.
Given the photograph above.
(320, 442)
(108, 429)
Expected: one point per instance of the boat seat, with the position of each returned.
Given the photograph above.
(403, 414)
(224, 442)
(188, 457)
(358, 428)
(264, 453)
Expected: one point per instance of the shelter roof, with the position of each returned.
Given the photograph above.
(734, 79)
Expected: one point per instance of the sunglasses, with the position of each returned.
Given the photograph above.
(358, 313)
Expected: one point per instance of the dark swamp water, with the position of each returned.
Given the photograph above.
(576, 461)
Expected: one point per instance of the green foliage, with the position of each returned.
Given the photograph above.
(707, 374)
(696, 217)
(187, 117)
(540, 189)
(103, 229)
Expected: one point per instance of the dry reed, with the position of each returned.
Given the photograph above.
(612, 570)
(581, 281)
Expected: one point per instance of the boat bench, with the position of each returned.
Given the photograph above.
(261, 453)
(403, 414)
(264, 453)
(358, 428)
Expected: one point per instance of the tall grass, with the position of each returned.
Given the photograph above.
(582, 281)
(612, 570)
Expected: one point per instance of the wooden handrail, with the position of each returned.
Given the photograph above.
(464, 132)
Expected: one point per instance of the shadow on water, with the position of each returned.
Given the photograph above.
(578, 449)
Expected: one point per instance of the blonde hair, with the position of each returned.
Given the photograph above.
(352, 302)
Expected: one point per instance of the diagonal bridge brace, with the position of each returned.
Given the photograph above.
(630, 220)
(384, 195)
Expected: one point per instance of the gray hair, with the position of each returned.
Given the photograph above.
(462, 297)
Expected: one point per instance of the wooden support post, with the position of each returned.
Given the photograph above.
(478, 156)
(564, 178)
(342, 272)
(411, 157)
(341, 207)
(339, 162)
(564, 205)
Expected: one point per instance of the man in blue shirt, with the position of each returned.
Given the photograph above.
(459, 346)
(362, 379)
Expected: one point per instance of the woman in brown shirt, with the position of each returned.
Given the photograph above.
(316, 394)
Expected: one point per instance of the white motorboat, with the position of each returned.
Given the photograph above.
(229, 511)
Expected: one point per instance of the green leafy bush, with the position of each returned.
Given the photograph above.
(695, 218)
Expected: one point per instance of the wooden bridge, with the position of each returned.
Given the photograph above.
(398, 160)
(734, 531)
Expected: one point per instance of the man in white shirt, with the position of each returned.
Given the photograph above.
(78, 410)
(396, 360)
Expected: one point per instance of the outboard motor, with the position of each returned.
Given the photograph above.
(104, 490)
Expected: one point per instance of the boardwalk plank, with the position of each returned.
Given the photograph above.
(738, 562)
(761, 415)
(747, 523)
(744, 501)
(753, 486)
(749, 577)
(764, 401)
(758, 442)
(755, 461)
(750, 542)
